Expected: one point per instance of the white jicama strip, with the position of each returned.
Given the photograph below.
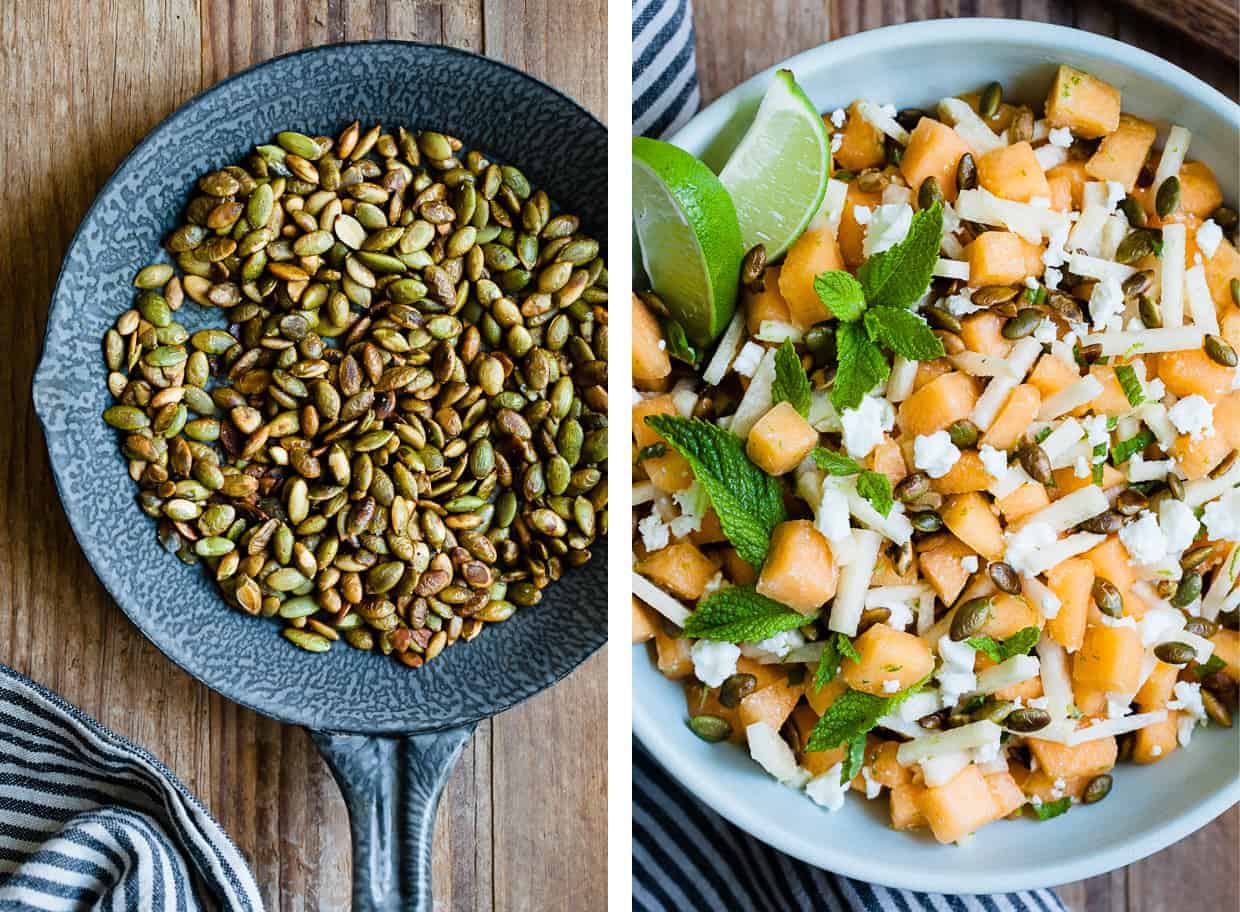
(684, 398)
(940, 770)
(1204, 647)
(1154, 414)
(1023, 355)
(777, 331)
(659, 600)
(1087, 232)
(726, 351)
(1139, 470)
(1204, 490)
(1224, 579)
(1128, 426)
(1013, 479)
(874, 116)
(1037, 592)
(1008, 673)
(919, 704)
(907, 728)
(643, 492)
(1174, 150)
(884, 596)
(1031, 222)
(1200, 304)
(900, 383)
(1147, 341)
(854, 582)
(976, 364)
(1166, 569)
(952, 269)
(810, 652)
(894, 526)
(1056, 682)
(1062, 439)
(1113, 232)
(972, 129)
(936, 744)
(952, 247)
(757, 399)
(925, 612)
(1071, 509)
(822, 414)
(1109, 728)
(1175, 246)
(993, 398)
(896, 193)
(1098, 268)
(1079, 450)
(1063, 549)
(1082, 391)
(832, 209)
(1049, 156)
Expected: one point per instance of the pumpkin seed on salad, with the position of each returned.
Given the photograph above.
(937, 500)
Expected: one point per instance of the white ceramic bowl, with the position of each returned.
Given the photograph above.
(1149, 807)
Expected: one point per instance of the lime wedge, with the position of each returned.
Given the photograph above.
(690, 239)
(777, 175)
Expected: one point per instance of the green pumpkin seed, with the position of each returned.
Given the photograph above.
(1026, 720)
(712, 729)
(969, 618)
(154, 276)
(304, 639)
(1107, 598)
(1175, 653)
(1097, 789)
(991, 97)
(1188, 590)
(1219, 351)
(735, 688)
(1167, 200)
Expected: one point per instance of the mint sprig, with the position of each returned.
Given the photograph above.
(739, 614)
(873, 486)
(853, 759)
(791, 384)
(873, 309)
(749, 503)
(852, 715)
(1130, 384)
(1049, 809)
(834, 648)
(1125, 448)
(1018, 643)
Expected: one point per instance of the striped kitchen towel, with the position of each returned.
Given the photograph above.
(695, 861)
(89, 820)
(665, 86)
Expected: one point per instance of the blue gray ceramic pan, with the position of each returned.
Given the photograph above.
(390, 734)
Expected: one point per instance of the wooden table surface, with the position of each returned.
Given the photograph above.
(736, 40)
(522, 825)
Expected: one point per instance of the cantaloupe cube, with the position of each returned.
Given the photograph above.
(862, 145)
(1199, 190)
(1110, 559)
(1229, 326)
(1155, 742)
(968, 474)
(1024, 501)
(1085, 104)
(799, 571)
(1158, 687)
(1060, 188)
(767, 304)
(780, 440)
(1006, 793)
(821, 700)
(1112, 401)
(803, 720)
(1025, 691)
(1220, 270)
(650, 359)
(940, 564)
(1196, 457)
(710, 532)
(645, 621)
(1050, 788)
(1063, 761)
(905, 815)
(851, 233)
(1073, 171)
(969, 518)
(1066, 481)
(887, 655)
(669, 472)
(764, 675)
(1014, 418)
(672, 655)
(739, 571)
(959, 807)
(1072, 582)
(680, 569)
(934, 150)
(938, 404)
(885, 573)
(885, 768)
(983, 332)
(1121, 155)
(813, 253)
(1052, 375)
(703, 701)
(1109, 659)
(1009, 614)
(1000, 120)
(928, 371)
(996, 258)
(771, 705)
(887, 459)
(1227, 648)
(1012, 172)
(1193, 372)
(1089, 701)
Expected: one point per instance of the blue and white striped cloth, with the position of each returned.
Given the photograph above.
(694, 860)
(89, 820)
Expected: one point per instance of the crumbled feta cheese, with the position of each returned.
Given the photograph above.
(873, 788)
(654, 532)
(901, 615)
(1209, 236)
(987, 753)
(747, 359)
(1051, 277)
(1046, 332)
(1040, 202)
(865, 425)
(951, 221)
(1188, 701)
(638, 398)
(714, 584)
(778, 645)
(888, 226)
(827, 790)
(955, 674)
(960, 305)
(1144, 539)
(1193, 415)
(1056, 253)
(773, 754)
(1115, 195)
(1178, 523)
(831, 518)
(714, 662)
(1080, 468)
(838, 116)
(1035, 800)
(1222, 517)
(693, 503)
(837, 140)
(861, 214)
(1060, 136)
(935, 454)
(1023, 546)
(1096, 430)
(969, 564)
(891, 685)
(993, 461)
(1106, 304)
(941, 769)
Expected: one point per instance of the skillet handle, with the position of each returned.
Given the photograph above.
(391, 786)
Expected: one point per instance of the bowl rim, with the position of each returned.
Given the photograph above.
(648, 729)
(561, 663)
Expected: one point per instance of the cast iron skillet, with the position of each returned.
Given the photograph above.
(390, 734)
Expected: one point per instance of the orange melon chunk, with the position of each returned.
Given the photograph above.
(959, 807)
(780, 440)
(1109, 659)
(1121, 155)
(934, 150)
(680, 569)
(650, 359)
(799, 570)
(939, 403)
(1085, 104)
(887, 654)
(812, 253)
(1012, 172)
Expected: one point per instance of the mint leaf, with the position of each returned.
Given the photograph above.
(1212, 665)
(841, 294)
(834, 463)
(876, 488)
(900, 276)
(1125, 448)
(654, 451)
(791, 384)
(852, 715)
(836, 647)
(846, 648)
(1048, 809)
(1018, 643)
(862, 366)
(904, 332)
(853, 759)
(1131, 386)
(750, 503)
(738, 614)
